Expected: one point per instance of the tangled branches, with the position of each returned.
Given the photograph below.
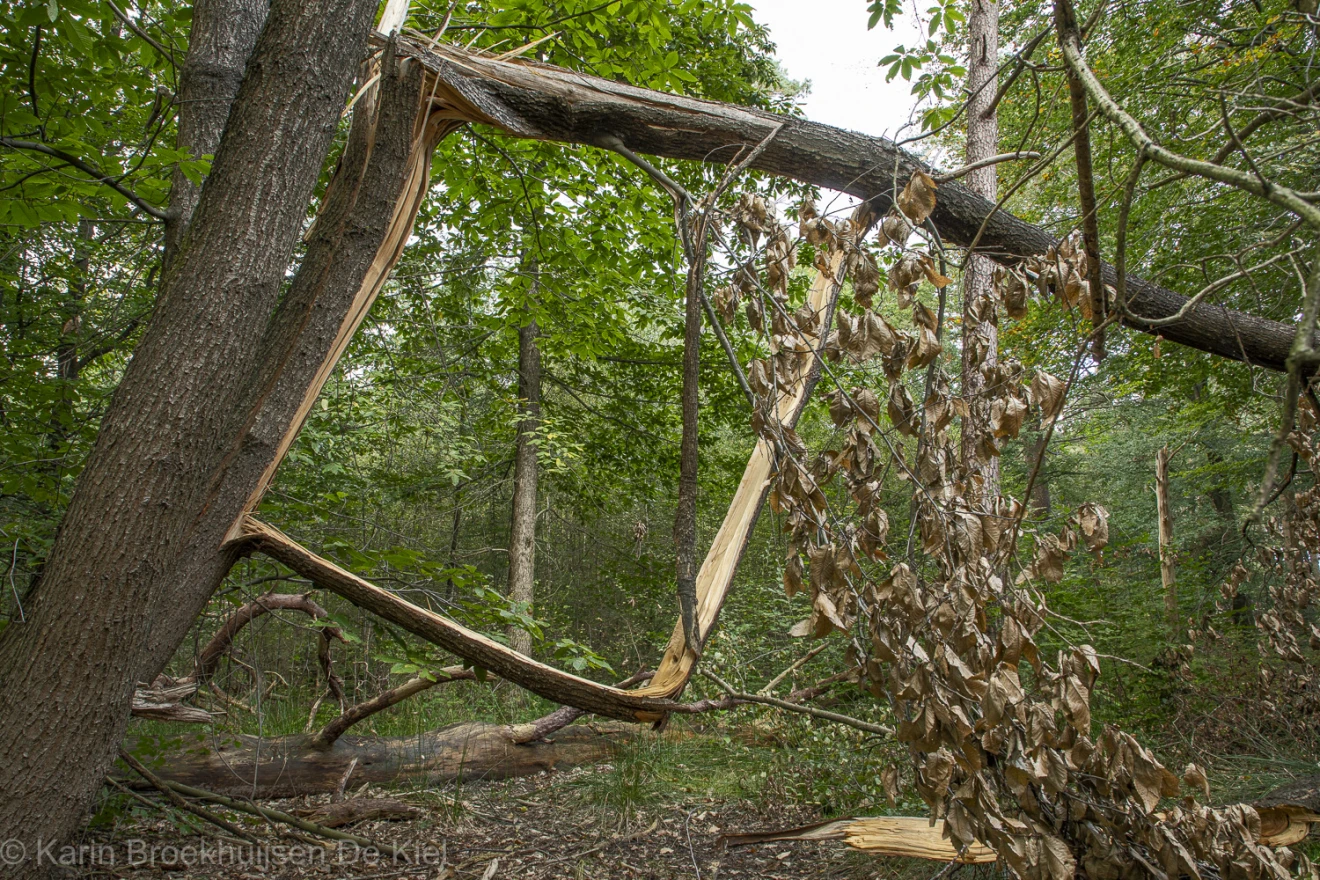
(1001, 735)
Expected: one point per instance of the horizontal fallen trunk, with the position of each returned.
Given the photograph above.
(290, 766)
(540, 101)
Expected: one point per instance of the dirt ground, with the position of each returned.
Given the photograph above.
(574, 824)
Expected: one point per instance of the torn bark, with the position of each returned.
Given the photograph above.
(549, 103)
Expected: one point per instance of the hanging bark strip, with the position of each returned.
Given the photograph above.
(543, 102)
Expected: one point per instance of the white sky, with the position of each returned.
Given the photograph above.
(826, 42)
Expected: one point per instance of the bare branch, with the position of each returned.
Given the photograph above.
(1275, 193)
(172, 796)
(986, 162)
(90, 170)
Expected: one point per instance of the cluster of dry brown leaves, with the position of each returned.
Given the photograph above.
(1006, 754)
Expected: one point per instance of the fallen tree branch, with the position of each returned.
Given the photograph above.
(162, 809)
(336, 728)
(288, 766)
(286, 819)
(548, 103)
(209, 657)
(797, 664)
(178, 802)
(738, 697)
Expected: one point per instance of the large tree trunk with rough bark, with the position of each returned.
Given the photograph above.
(220, 42)
(111, 585)
(293, 765)
(979, 312)
(228, 369)
(522, 537)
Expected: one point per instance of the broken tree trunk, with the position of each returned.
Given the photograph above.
(713, 580)
(1286, 817)
(110, 604)
(540, 101)
(293, 765)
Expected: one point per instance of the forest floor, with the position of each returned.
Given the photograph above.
(604, 821)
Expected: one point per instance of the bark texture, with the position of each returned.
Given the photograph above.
(549, 103)
(220, 41)
(1168, 571)
(147, 492)
(685, 514)
(294, 765)
(526, 468)
(1065, 21)
(979, 311)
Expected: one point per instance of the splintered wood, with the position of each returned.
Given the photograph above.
(721, 564)
(913, 837)
(714, 580)
(907, 836)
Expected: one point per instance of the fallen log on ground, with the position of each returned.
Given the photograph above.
(289, 766)
(1287, 813)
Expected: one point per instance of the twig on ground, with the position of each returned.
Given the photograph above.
(164, 788)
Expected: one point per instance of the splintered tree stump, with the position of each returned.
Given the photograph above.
(291, 766)
(1287, 813)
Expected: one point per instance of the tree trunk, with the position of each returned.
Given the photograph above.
(685, 514)
(292, 765)
(522, 538)
(110, 584)
(1036, 449)
(547, 103)
(1168, 574)
(980, 315)
(220, 41)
